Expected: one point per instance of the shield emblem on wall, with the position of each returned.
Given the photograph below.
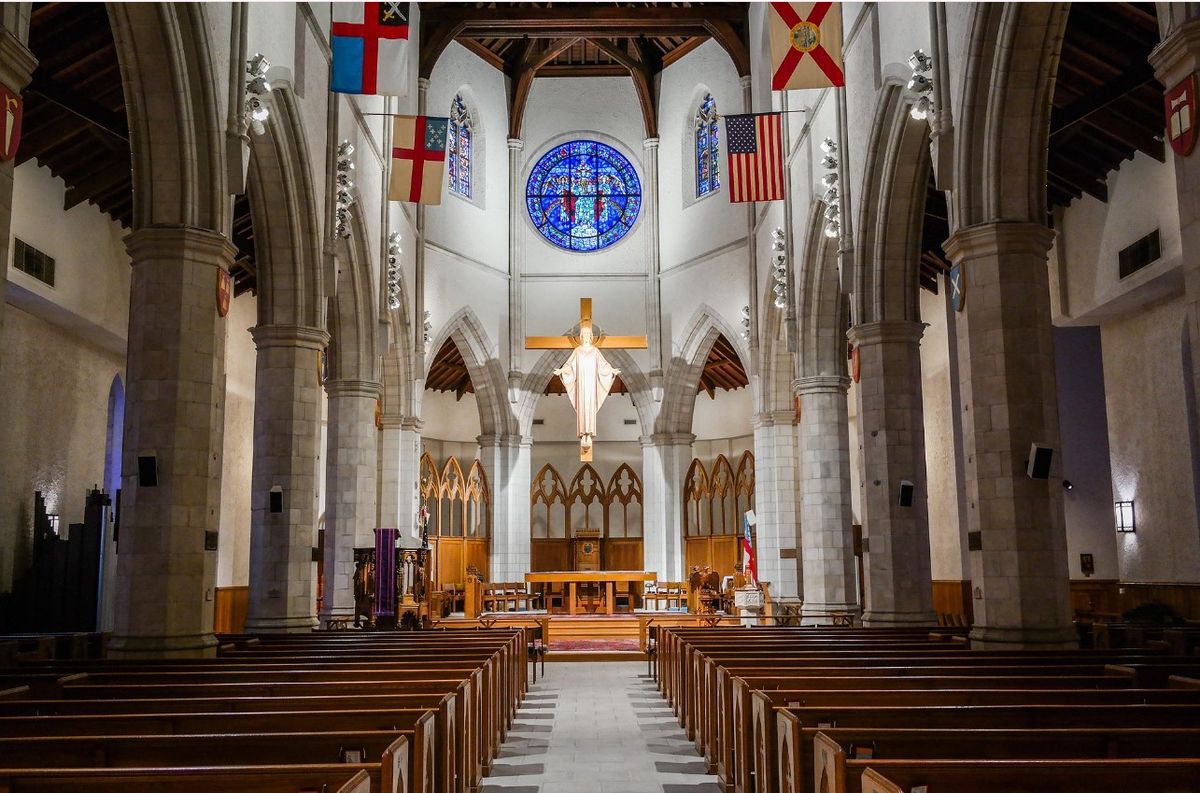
(855, 364)
(958, 287)
(1180, 104)
(10, 134)
(224, 290)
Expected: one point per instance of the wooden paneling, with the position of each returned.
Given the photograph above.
(477, 554)
(549, 555)
(717, 553)
(622, 554)
(953, 597)
(229, 609)
(449, 567)
(1117, 597)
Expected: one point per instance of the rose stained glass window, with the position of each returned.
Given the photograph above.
(583, 195)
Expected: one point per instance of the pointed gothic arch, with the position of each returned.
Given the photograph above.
(586, 499)
(822, 319)
(683, 374)
(623, 516)
(496, 417)
(548, 512)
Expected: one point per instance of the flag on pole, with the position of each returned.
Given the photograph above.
(418, 159)
(749, 562)
(755, 145)
(806, 45)
(370, 48)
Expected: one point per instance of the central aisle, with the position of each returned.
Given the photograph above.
(597, 728)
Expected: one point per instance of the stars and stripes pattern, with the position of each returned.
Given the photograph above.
(749, 562)
(755, 145)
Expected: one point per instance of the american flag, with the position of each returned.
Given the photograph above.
(755, 142)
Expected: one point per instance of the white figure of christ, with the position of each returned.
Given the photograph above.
(587, 377)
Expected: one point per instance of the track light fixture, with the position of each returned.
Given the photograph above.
(746, 323)
(921, 85)
(832, 198)
(255, 111)
(393, 271)
(779, 267)
(345, 183)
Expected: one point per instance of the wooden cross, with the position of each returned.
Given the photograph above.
(585, 320)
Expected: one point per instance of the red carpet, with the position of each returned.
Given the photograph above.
(607, 645)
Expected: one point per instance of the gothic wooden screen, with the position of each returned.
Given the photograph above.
(558, 510)
(459, 519)
(715, 499)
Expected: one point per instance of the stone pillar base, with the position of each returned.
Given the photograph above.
(294, 624)
(819, 613)
(874, 619)
(984, 637)
(202, 645)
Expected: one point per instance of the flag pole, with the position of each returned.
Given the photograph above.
(789, 317)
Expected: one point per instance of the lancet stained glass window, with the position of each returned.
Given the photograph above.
(458, 148)
(708, 147)
(583, 195)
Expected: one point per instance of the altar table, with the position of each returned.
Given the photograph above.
(575, 577)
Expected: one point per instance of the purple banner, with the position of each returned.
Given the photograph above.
(385, 572)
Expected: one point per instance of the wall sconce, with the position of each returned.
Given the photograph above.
(393, 271)
(345, 183)
(832, 199)
(1126, 519)
(921, 85)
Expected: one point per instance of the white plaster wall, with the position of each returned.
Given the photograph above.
(1085, 283)
(452, 283)
(54, 387)
(692, 227)
(1148, 439)
(1084, 459)
(726, 416)
(233, 546)
(90, 295)
(732, 448)
(944, 538)
(552, 306)
(718, 281)
(559, 417)
(486, 213)
(449, 419)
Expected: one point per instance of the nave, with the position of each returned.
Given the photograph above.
(601, 728)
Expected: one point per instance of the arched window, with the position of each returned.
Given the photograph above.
(708, 148)
(458, 151)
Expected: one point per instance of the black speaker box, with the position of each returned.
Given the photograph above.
(147, 470)
(1038, 466)
(906, 493)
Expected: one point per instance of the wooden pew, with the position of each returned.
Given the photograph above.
(339, 778)
(839, 755)
(1032, 776)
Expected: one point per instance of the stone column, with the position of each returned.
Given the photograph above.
(665, 461)
(830, 583)
(1006, 371)
(516, 266)
(898, 586)
(506, 459)
(175, 420)
(653, 263)
(287, 431)
(350, 488)
(16, 70)
(399, 476)
(777, 535)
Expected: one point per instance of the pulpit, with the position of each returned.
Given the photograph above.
(585, 549)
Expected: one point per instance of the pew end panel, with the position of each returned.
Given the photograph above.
(395, 763)
(791, 760)
(829, 765)
(874, 782)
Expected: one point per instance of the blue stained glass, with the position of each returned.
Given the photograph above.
(458, 152)
(583, 195)
(708, 149)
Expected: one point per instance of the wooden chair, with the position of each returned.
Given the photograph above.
(622, 592)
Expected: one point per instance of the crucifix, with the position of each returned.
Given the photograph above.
(586, 375)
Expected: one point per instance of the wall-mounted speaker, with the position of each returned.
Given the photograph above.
(1038, 465)
(147, 470)
(906, 493)
(275, 504)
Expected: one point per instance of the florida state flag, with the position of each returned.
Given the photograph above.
(1181, 116)
(806, 45)
(418, 159)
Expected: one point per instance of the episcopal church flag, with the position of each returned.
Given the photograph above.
(755, 145)
(806, 45)
(418, 159)
(370, 48)
(749, 562)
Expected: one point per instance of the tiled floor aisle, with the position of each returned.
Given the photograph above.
(597, 728)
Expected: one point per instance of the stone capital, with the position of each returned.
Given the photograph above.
(746, 81)
(999, 239)
(402, 423)
(289, 336)
(885, 331)
(773, 418)
(1177, 55)
(515, 144)
(158, 243)
(503, 441)
(667, 439)
(363, 389)
(821, 384)
(650, 144)
(16, 62)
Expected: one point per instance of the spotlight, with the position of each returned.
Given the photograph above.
(1067, 485)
